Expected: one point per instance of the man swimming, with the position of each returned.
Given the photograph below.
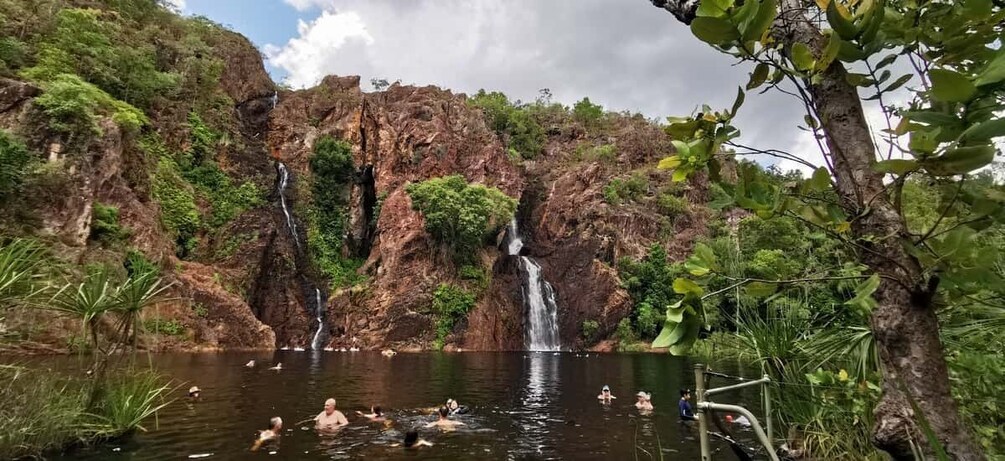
(330, 418)
(605, 395)
(443, 422)
(270, 435)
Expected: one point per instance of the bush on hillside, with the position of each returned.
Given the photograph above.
(461, 215)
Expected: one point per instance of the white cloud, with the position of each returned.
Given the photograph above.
(308, 57)
(177, 5)
(304, 5)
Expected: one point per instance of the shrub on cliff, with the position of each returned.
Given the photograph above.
(515, 123)
(333, 173)
(74, 105)
(15, 164)
(649, 281)
(105, 226)
(450, 304)
(460, 215)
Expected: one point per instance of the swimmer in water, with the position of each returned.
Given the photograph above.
(330, 418)
(193, 393)
(270, 435)
(443, 422)
(455, 408)
(644, 402)
(605, 395)
(412, 440)
(375, 415)
(250, 364)
(279, 366)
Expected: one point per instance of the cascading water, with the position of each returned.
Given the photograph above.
(538, 296)
(318, 309)
(284, 180)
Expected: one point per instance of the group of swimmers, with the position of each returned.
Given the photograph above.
(331, 419)
(686, 413)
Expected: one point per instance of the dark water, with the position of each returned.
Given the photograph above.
(524, 406)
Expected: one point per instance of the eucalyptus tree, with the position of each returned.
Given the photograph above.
(834, 56)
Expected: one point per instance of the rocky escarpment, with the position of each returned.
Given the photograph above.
(249, 282)
(409, 134)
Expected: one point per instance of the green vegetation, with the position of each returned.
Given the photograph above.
(624, 190)
(514, 122)
(47, 412)
(450, 304)
(105, 226)
(15, 164)
(171, 327)
(649, 282)
(588, 114)
(332, 177)
(589, 330)
(459, 215)
(74, 105)
(181, 178)
(605, 153)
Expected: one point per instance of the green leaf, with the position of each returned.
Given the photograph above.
(854, 79)
(984, 131)
(684, 286)
(680, 174)
(886, 61)
(961, 160)
(737, 102)
(760, 289)
(758, 77)
(951, 86)
(977, 9)
(851, 52)
(713, 8)
(682, 148)
(714, 31)
(669, 163)
(899, 82)
(663, 340)
(995, 70)
(843, 26)
(759, 24)
(802, 57)
(820, 181)
(863, 294)
(896, 166)
(704, 256)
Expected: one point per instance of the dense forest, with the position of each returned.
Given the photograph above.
(159, 192)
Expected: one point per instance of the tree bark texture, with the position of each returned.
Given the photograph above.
(904, 322)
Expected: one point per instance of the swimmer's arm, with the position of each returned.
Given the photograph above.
(423, 443)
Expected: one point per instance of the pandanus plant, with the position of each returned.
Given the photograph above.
(21, 271)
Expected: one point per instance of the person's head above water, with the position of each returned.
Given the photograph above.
(275, 423)
(194, 391)
(685, 393)
(444, 411)
(452, 404)
(329, 406)
(376, 410)
(606, 389)
(410, 438)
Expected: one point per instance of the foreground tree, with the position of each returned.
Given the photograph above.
(824, 53)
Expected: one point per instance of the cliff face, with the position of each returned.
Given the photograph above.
(249, 283)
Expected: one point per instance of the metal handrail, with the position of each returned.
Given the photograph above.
(702, 394)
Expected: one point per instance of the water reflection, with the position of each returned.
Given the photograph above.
(533, 413)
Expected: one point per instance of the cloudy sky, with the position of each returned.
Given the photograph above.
(623, 54)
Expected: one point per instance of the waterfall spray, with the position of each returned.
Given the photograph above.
(538, 296)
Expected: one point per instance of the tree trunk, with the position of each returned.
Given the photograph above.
(904, 322)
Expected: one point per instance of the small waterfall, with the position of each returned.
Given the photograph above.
(284, 181)
(319, 312)
(275, 98)
(539, 298)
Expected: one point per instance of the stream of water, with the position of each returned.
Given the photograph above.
(523, 406)
(539, 299)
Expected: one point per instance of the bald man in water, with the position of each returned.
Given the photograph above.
(331, 418)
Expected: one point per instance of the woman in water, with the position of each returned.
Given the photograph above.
(605, 395)
(644, 403)
(412, 440)
(455, 408)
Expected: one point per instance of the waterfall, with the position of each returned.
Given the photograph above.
(539, 298)
(319, 312)
(275, 98)
(284, 180)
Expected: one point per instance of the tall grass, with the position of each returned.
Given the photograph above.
(44, 411)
